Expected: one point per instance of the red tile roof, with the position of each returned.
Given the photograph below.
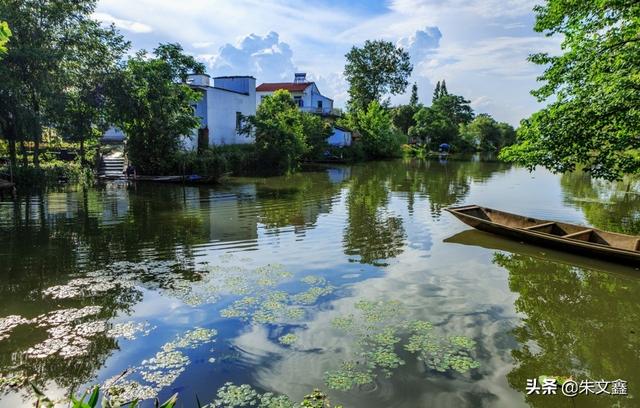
(289, 86)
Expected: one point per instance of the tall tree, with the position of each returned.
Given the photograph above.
(153, 107)
(413, 100)
(375, 70)
(454, 107)
(443, 88)
(95, 59)
(436, 92)
(593, 119)
(41, 32)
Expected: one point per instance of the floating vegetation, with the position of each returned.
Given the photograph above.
(269, 307)
(379, 329)
(14, 380)
(126, 391)
(349, 375)
(438, 354)
(129, 330)
(288, 339)
(162, 369)
(311, 295)
(88, 286)
(7, 324)
(65, 316)
(236, 396)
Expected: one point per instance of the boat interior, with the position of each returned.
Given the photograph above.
(558, 229)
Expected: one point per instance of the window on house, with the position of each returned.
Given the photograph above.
(238, 121)
(319, 104)
(298, 100)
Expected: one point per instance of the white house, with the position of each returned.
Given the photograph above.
(309, 99)
(221, 108)
(306, 94)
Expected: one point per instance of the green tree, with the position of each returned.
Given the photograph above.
(433, 127)
(279, 129)
(455, 107)
(402, 115)
(5, 33)
(378, 136)
(439, 123)
(316, 131)
(414, 100)
(593, 120)
(436, 92)
(439, 91)
(485, 134)
(32, 68)
(377, 69)
(153, 107)
(96, 57)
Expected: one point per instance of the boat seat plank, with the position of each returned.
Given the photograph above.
(577, 234)
(546, 224)
(637, 247)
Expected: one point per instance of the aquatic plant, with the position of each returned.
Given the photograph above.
(228, 396)
(378, 330)
(236, 396)
(159, 371)
(438, 354)
(90, 400)
(269, 307)
(288, 339)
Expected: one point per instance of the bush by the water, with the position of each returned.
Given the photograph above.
(217, 161)
(49, 173)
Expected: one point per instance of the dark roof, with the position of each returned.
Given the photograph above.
(234, 76)
(344, 129)
(289, 86)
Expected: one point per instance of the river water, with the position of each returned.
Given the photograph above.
(349, 279)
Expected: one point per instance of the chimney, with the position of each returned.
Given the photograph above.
(198, 79)
(300, 77)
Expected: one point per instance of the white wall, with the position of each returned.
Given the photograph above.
(339, 138)
(221, 112)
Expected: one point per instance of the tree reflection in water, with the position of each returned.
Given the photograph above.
(577, 322)
(609, 206)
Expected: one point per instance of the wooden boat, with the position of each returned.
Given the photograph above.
(607, 246)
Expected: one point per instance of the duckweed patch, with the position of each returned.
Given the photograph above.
(270, 307)
(161, 370)
(236, 396)
(377, 331)
(288, 339)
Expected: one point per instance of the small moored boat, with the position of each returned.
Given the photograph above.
(608, 246)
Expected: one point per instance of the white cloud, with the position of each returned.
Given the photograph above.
(422, 42)
(481, 102)
(482, 8)
(478, 46)
(126, 25)
(267, 58)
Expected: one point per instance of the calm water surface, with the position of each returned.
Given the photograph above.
(190, 288)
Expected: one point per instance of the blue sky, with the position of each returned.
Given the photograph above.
(478, 46)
